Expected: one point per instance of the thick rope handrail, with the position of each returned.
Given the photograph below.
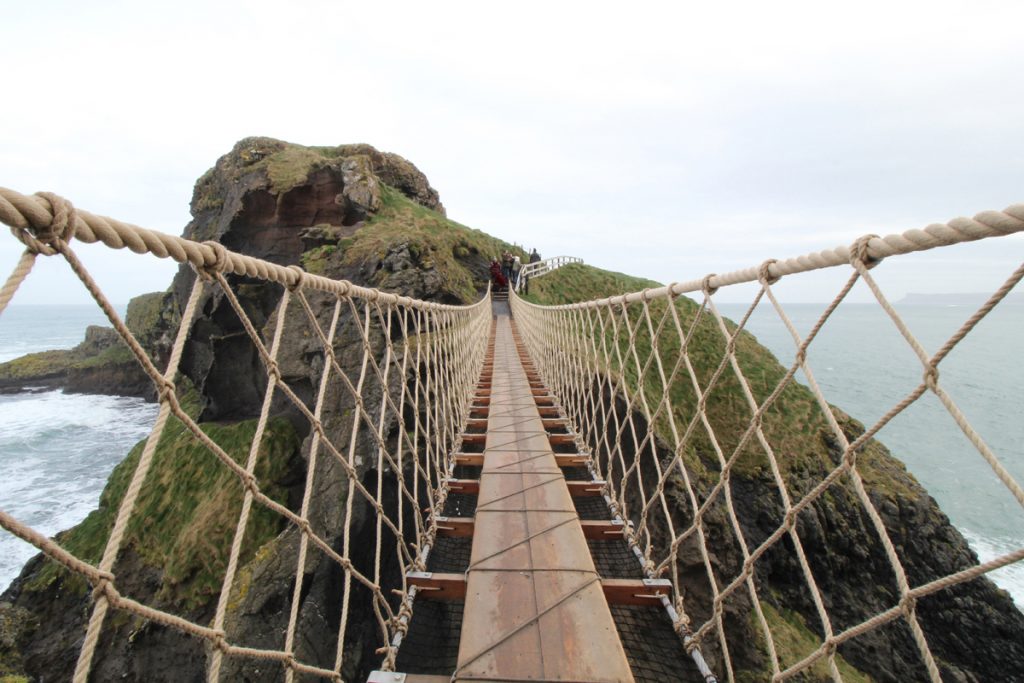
(958, 230)
(637, 376)
(605, 361)
(421, 358)
(26, 214)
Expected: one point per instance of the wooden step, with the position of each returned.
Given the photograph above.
(561, 459)
(451, 586)
(475, 439)
(469, 486)
(597, 530)
(456, 527)
(583, 489)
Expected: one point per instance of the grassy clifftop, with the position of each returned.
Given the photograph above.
(794, 425)
(406, 236)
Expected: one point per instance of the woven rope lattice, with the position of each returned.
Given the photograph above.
(609, 361)
(422, 358)
(645, 378)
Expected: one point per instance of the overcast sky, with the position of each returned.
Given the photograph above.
(666, 140)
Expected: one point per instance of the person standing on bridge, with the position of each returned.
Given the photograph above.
(498, 279)
(506, 264)
(517, 265)
(534, 256)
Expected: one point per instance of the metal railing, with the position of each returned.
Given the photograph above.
(543, 267)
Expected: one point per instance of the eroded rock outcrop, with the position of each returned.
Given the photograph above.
(102, 363)
(348, 212)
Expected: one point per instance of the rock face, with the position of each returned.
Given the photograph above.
(348, 212)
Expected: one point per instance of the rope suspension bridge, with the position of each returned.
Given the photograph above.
(546, 439)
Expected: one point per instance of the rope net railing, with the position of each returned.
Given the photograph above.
(403, 369)
(679, 413)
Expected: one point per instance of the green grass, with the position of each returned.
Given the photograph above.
(794, 641)
(291, 166)
(578, 282)
(794, 424)
(185, 517)
(458, 253)
(316, 259)
(51, 363)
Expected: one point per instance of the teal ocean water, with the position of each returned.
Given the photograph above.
(56, 450)
(865, 367)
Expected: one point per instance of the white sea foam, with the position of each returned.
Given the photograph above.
(56, 452)
(1010, 577)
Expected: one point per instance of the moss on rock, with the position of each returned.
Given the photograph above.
(184, 520)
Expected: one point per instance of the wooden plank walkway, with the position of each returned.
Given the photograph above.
(535, 609)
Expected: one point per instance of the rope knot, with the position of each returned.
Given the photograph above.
(931, 377)
(220, 642)
(105, 588)
(250, 483)
(220, 257)
(166, 390)
(859, 253)
(44, 238)
(908, 603)
(273, 371)
(705, 285)
(62, 225)
(764, 274)
(300, 276)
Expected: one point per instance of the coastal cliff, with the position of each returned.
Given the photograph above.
(370, 217)
(348, 212)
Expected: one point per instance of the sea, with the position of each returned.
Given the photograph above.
(865, 367)
(57, 450)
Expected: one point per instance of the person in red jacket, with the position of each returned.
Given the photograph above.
(497, 277)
